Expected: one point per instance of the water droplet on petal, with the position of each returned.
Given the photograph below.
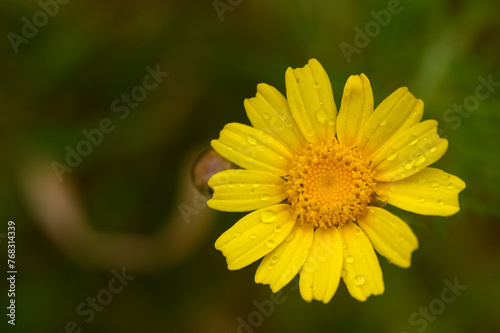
(252, 236)
(321, 116)
(359, 280)
(275, 259)
(264, 197)
(331, 122)
(393, 156)
(268, 216)
(421, 199)
(433, 149)
(252, 190)
(255, 184)
(420, 160)
(358, 231)
(413, 140)
(277, 229)
(451, 186)
(435, 184)
(316, 85)
(281, 157)
(440, 202)
(409, 164)
(251, 140)
(230, 184)
(383, 122)
(311, 133)
(270, 267)
(265, 116)
(422, 181)
(349, 259)
(270, 244)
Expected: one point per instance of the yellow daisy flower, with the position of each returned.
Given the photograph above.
(312, 179)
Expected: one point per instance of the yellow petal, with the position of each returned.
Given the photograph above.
(399, 111)
(252, 149)
(282, 264)
(355, 109)
(429, 192)
(309, 94)
(361, 270)
(320, 275)
(269, 112)
(238, 190)
(409, 152)
(255, 235)
(390, 235)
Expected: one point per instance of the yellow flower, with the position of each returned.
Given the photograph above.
(312, 179)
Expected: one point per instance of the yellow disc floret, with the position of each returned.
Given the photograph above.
(329, 185)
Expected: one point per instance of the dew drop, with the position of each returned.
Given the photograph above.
(422, 181)
(435, 184)
(252, 236)
(451, 186)
(264, 197)
(265, 116)
(281, 157)
(433, 149)
(270, 244)
(252, 190)
(409, 165)
(420, 159)
(255, 184)
(275, 259)
(413, 140)
(359, 280)
(421, 199)
(349, 259)
(251, 140)
(393, 156)
(288, 123)
(230, 184)
(311, 133)
(277, 229)
(268, 216)
(316, 85)
(321, 116)
(290, 237)
(383, 122)
(440, 202)
(270, 267)
(331, 122)
(358, 232)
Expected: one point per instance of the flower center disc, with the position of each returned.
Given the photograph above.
(329, 185)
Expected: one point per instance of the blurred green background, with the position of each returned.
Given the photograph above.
(121, 207)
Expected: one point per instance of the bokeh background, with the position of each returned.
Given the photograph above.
(129, 204)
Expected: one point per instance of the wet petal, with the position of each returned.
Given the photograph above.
(255, 235)
(409, 152)
(282, 264)
(429, 192)
(399, 111)
(252, 149)
(355, 109)
(320, 275)
(361, 270)
(390, 235)
(269, 112)
(244, 190)
(310, 96)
